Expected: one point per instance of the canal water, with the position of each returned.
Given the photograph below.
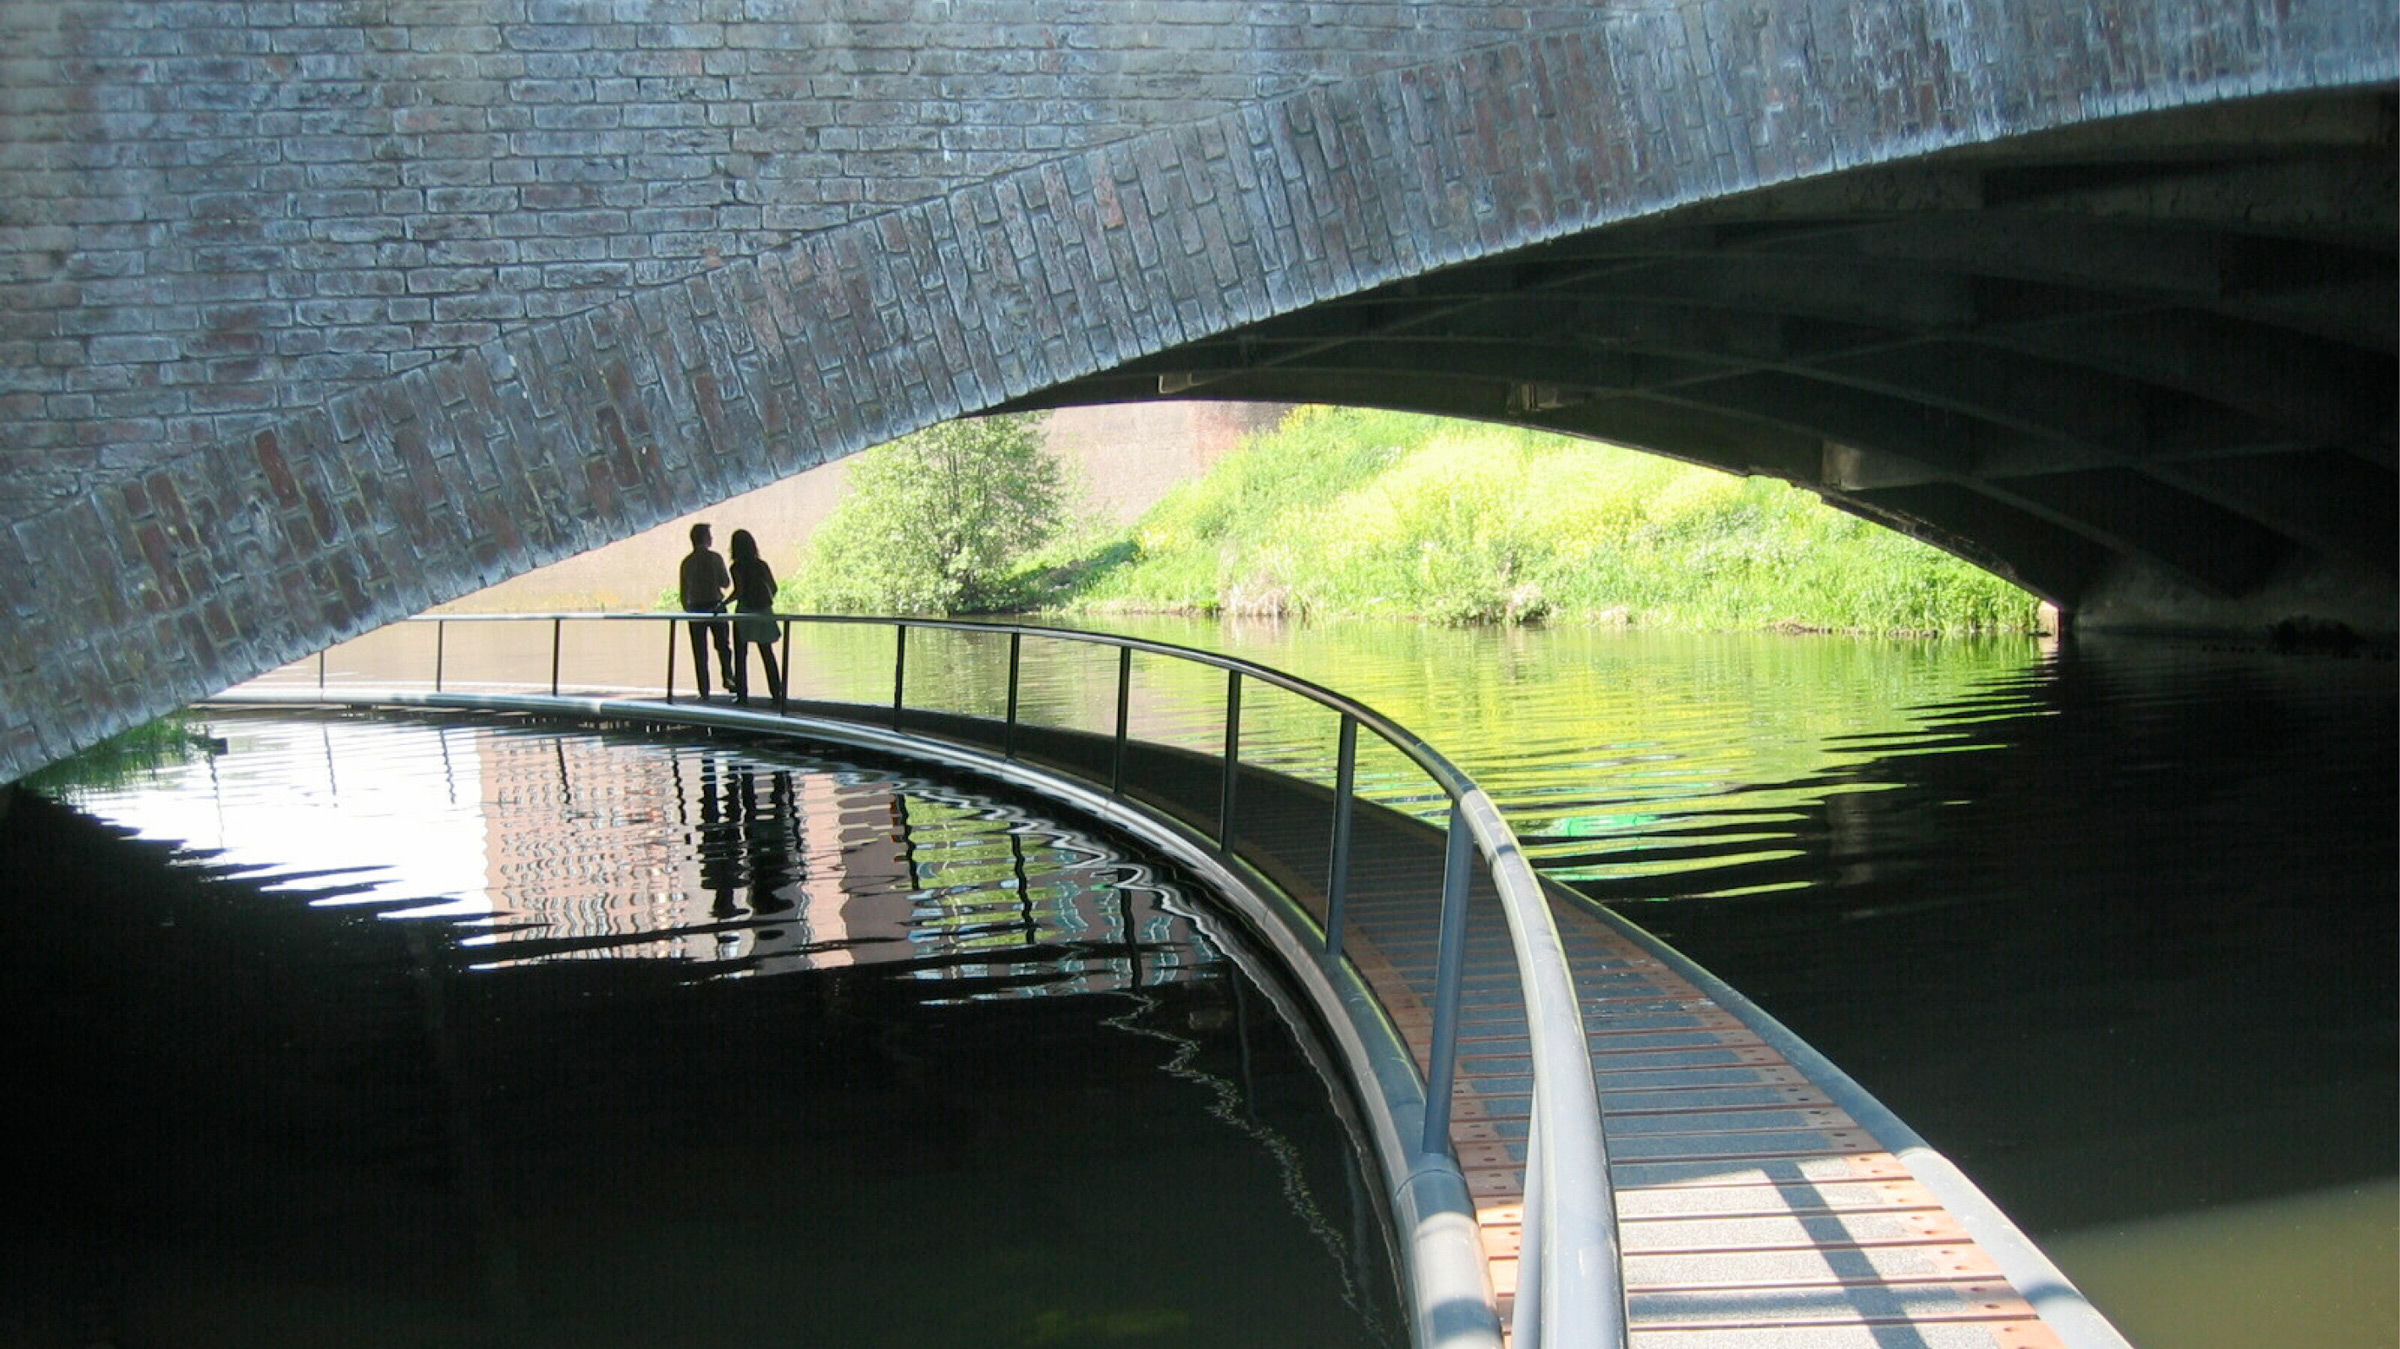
(486, 1032)
(2112, 923)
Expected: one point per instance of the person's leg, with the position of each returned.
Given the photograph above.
(699, 657)
(724, 635)
(741, 669)
(766, 653)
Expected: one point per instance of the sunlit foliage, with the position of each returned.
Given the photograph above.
(934, 521)
(1348, 511)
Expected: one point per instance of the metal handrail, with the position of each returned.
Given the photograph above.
(1569, 1269)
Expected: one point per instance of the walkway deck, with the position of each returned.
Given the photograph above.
(1755, 1212)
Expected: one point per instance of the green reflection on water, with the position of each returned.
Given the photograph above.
(1576, 732)
(2319, 1269)
(2112, 930)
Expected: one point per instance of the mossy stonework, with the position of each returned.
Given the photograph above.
(316, 312)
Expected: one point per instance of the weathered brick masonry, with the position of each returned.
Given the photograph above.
(317, 312)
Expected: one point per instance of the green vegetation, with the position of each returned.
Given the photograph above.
(123, 757)
(1351, 512)
(934, 522)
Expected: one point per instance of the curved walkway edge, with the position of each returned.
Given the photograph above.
(2031, 1273)
(1437, 1244)
(1765, 1199)
(1917, 1221)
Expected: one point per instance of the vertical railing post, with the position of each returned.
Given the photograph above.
(1450, 972)
(556, 626)
(321, 670)
(1008, 735)
(1233, 759)
(783, 685)
(1337, 866)
(1116, 760)
(441, 629)
(670, 626)
(899, 670)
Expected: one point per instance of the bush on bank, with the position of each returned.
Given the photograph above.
(1344, 511)
(935, 522)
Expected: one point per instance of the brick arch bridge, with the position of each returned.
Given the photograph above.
(316, 312)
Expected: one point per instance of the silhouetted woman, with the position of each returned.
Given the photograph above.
(753, 605)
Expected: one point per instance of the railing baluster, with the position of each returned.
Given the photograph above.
(899, 670)
(1008, 736)
(1532, 1235)
(1116, 760)
(441, 629)
(321, 669)
(556, 626)
(1233, 759)
(1337, 867)
(1449, 972)
(670, 625)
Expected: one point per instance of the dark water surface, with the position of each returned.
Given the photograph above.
(375, 1032)
(2112, 924)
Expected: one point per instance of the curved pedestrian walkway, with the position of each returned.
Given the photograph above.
(1763, 1199)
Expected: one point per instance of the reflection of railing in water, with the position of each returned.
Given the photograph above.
(1569, 1282)
(795, 868)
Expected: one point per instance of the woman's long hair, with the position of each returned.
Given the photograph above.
(743, 547)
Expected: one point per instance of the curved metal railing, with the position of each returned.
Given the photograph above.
(1570, 1282)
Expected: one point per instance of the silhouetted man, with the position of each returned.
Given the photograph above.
(705, 582)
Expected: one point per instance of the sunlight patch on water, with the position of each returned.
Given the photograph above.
(1767, 888)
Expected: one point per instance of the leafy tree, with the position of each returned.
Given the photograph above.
(934, 520)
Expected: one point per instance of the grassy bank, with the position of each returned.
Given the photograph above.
(1345, 511)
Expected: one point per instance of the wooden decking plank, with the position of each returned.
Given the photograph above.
(1793, 1232)
(1509, 1124)
(1798, 1269)
(1740, 1201)
(1668, 1099)
(1906, 1303)
(1762, 1171)
(2026, 1334)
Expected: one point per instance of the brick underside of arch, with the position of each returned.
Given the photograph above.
(183, 572)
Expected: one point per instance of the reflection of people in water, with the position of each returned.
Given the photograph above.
(719, 846)
(753, 622)
(744, 845)
(768, 836)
